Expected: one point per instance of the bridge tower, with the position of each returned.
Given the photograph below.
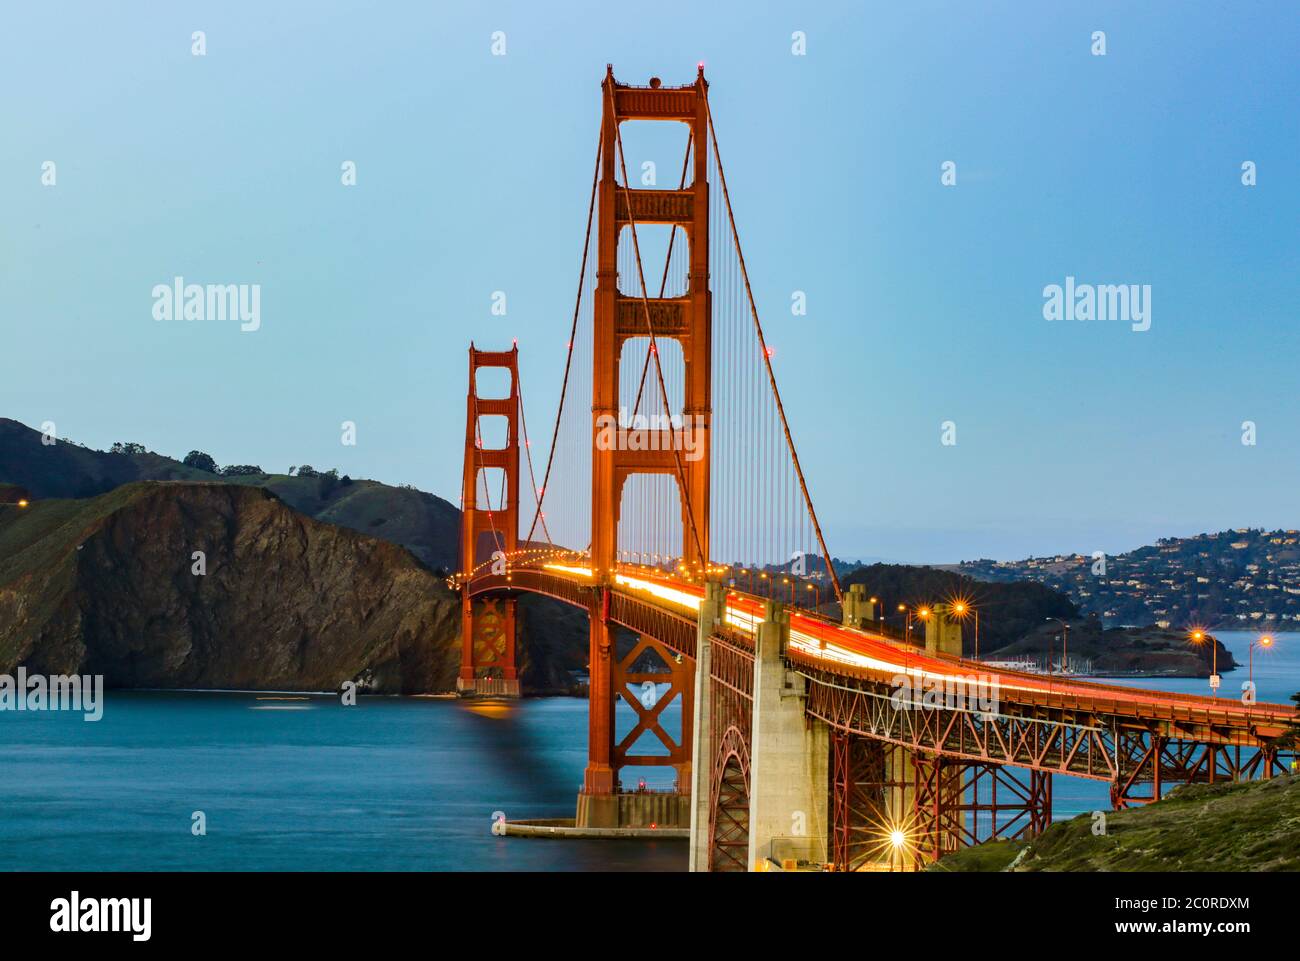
(619, 318)
(489, 536)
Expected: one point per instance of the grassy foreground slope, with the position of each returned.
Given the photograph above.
(1252, 826)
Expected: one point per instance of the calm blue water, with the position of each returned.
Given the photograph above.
(390, 784)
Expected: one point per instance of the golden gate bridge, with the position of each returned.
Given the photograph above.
(673, 509)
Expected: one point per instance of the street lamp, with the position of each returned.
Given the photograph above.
(1265, 641)
(1065, 646)
(922, 614)
(959, 610)
(1199, 636)
(878, 609)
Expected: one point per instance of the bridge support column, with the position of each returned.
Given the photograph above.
(859, 610)
(704, 740)
(790, 759)
(942, 633)
(900, 798)
(598, 802)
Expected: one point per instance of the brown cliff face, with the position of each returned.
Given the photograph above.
(108, 585)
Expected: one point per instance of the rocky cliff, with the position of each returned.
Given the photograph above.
(552, 637)
(109, 585)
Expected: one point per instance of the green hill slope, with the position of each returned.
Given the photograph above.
(423, 523)
(1251, 826)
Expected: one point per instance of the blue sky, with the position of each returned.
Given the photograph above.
(924, 301)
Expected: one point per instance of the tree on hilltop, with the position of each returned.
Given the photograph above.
(200, 461)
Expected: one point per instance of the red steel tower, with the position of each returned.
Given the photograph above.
(619, 318)
(489, 536)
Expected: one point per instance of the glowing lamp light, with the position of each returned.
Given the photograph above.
(897, 838)
(771, 352)
(1266, 640)
(22, 503)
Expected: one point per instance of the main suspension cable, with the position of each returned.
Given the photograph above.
(573, 337)
(767, 360)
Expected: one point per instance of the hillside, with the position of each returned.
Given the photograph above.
(1223, 827)
(1150, 651)
(1008, 611)
(1238, 579)
(105, 585)
(426, 525)
(64, 469)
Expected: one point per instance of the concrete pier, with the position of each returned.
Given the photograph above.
(488, 686)
(790, 757)
(566, 828)
(633, 810)
(942, 633)
(858, 609)
(702, 746)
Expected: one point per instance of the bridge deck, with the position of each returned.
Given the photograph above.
(864, 655)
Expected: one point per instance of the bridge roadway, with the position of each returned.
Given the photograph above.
(1051, 724)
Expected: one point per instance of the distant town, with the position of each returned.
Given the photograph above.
(1234, 579)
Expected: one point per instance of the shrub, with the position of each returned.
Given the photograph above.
(200, 461)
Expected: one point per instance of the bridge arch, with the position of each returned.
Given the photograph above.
(729, 804)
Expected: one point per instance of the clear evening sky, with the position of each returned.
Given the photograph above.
(924, 301)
